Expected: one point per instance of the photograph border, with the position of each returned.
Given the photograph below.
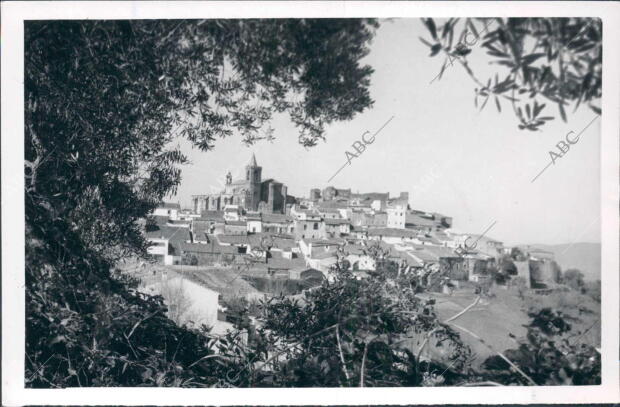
(13, 230)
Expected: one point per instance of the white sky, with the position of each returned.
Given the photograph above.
(474, 166)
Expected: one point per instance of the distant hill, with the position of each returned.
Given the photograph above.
(583, 256)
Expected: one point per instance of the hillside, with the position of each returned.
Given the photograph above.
(583, 256)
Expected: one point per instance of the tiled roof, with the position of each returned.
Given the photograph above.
(236, 223)
(271, 181)
(277, 261)
(284, 244)
(276, 218)
(212, 216)
(332, 204)
(252, 240)
(356, 249)
(169, 205)
(253, 216)
(213, 247)
(441, 252)
(392, 232)
(324, 242)
(424, 255)
(168, 232)
(321, 254)
(200, 228)
(336, 221)
(328, 210)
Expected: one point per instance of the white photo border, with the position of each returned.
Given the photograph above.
(13, 230)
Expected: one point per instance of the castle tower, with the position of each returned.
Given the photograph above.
(253, 179)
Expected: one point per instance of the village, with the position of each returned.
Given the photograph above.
(254, 241)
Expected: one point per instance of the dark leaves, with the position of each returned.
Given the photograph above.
(558, 59)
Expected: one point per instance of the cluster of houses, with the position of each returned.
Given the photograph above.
(267, 234)
(307, 240)
(299, 242)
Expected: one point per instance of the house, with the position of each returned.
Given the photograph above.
(277, 223)
(396, 216)
(244, 244)
(169, 210)
(207, 254)
(329, 213)
(236, 227)
(254, 223)
(476, 264)
(359, 258)
(199, 231)
(232, 212)
(337, 227)
(391, 235)
(309, 247)
(309, 226)
(164, 240)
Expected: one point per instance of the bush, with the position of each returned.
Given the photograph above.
(548, 355)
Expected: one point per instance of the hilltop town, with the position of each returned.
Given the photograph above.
(258, 240)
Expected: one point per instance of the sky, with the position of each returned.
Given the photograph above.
(474, 166)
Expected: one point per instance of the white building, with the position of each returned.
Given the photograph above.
(171, 210)
(396, 217)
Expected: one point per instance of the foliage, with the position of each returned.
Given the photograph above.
(517, 255)
(593, 289)
(178, 302)
(104, 103)
(507, 265)
(574, 279)
(351, 332)
(548, 355)
(277, 286)
(545, 60)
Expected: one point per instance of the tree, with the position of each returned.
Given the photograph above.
(179, 303)
(104, 103)
(574, 279)
(548, 355)
(545, 60)
(354, 332)
(517, 255)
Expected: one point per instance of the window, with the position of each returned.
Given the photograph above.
(316, 226)
(305, 226)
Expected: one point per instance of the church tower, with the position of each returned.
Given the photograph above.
(253, 180)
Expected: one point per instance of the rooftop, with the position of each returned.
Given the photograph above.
(216, 216)
(392, 232)
(169, 205)
(167, 232)
(336, 221)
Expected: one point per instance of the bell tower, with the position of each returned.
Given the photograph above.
(253, 178)
(253, 171)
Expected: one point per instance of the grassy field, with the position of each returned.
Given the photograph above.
(499, 320)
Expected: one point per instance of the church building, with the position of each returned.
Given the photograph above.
(251, 193)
